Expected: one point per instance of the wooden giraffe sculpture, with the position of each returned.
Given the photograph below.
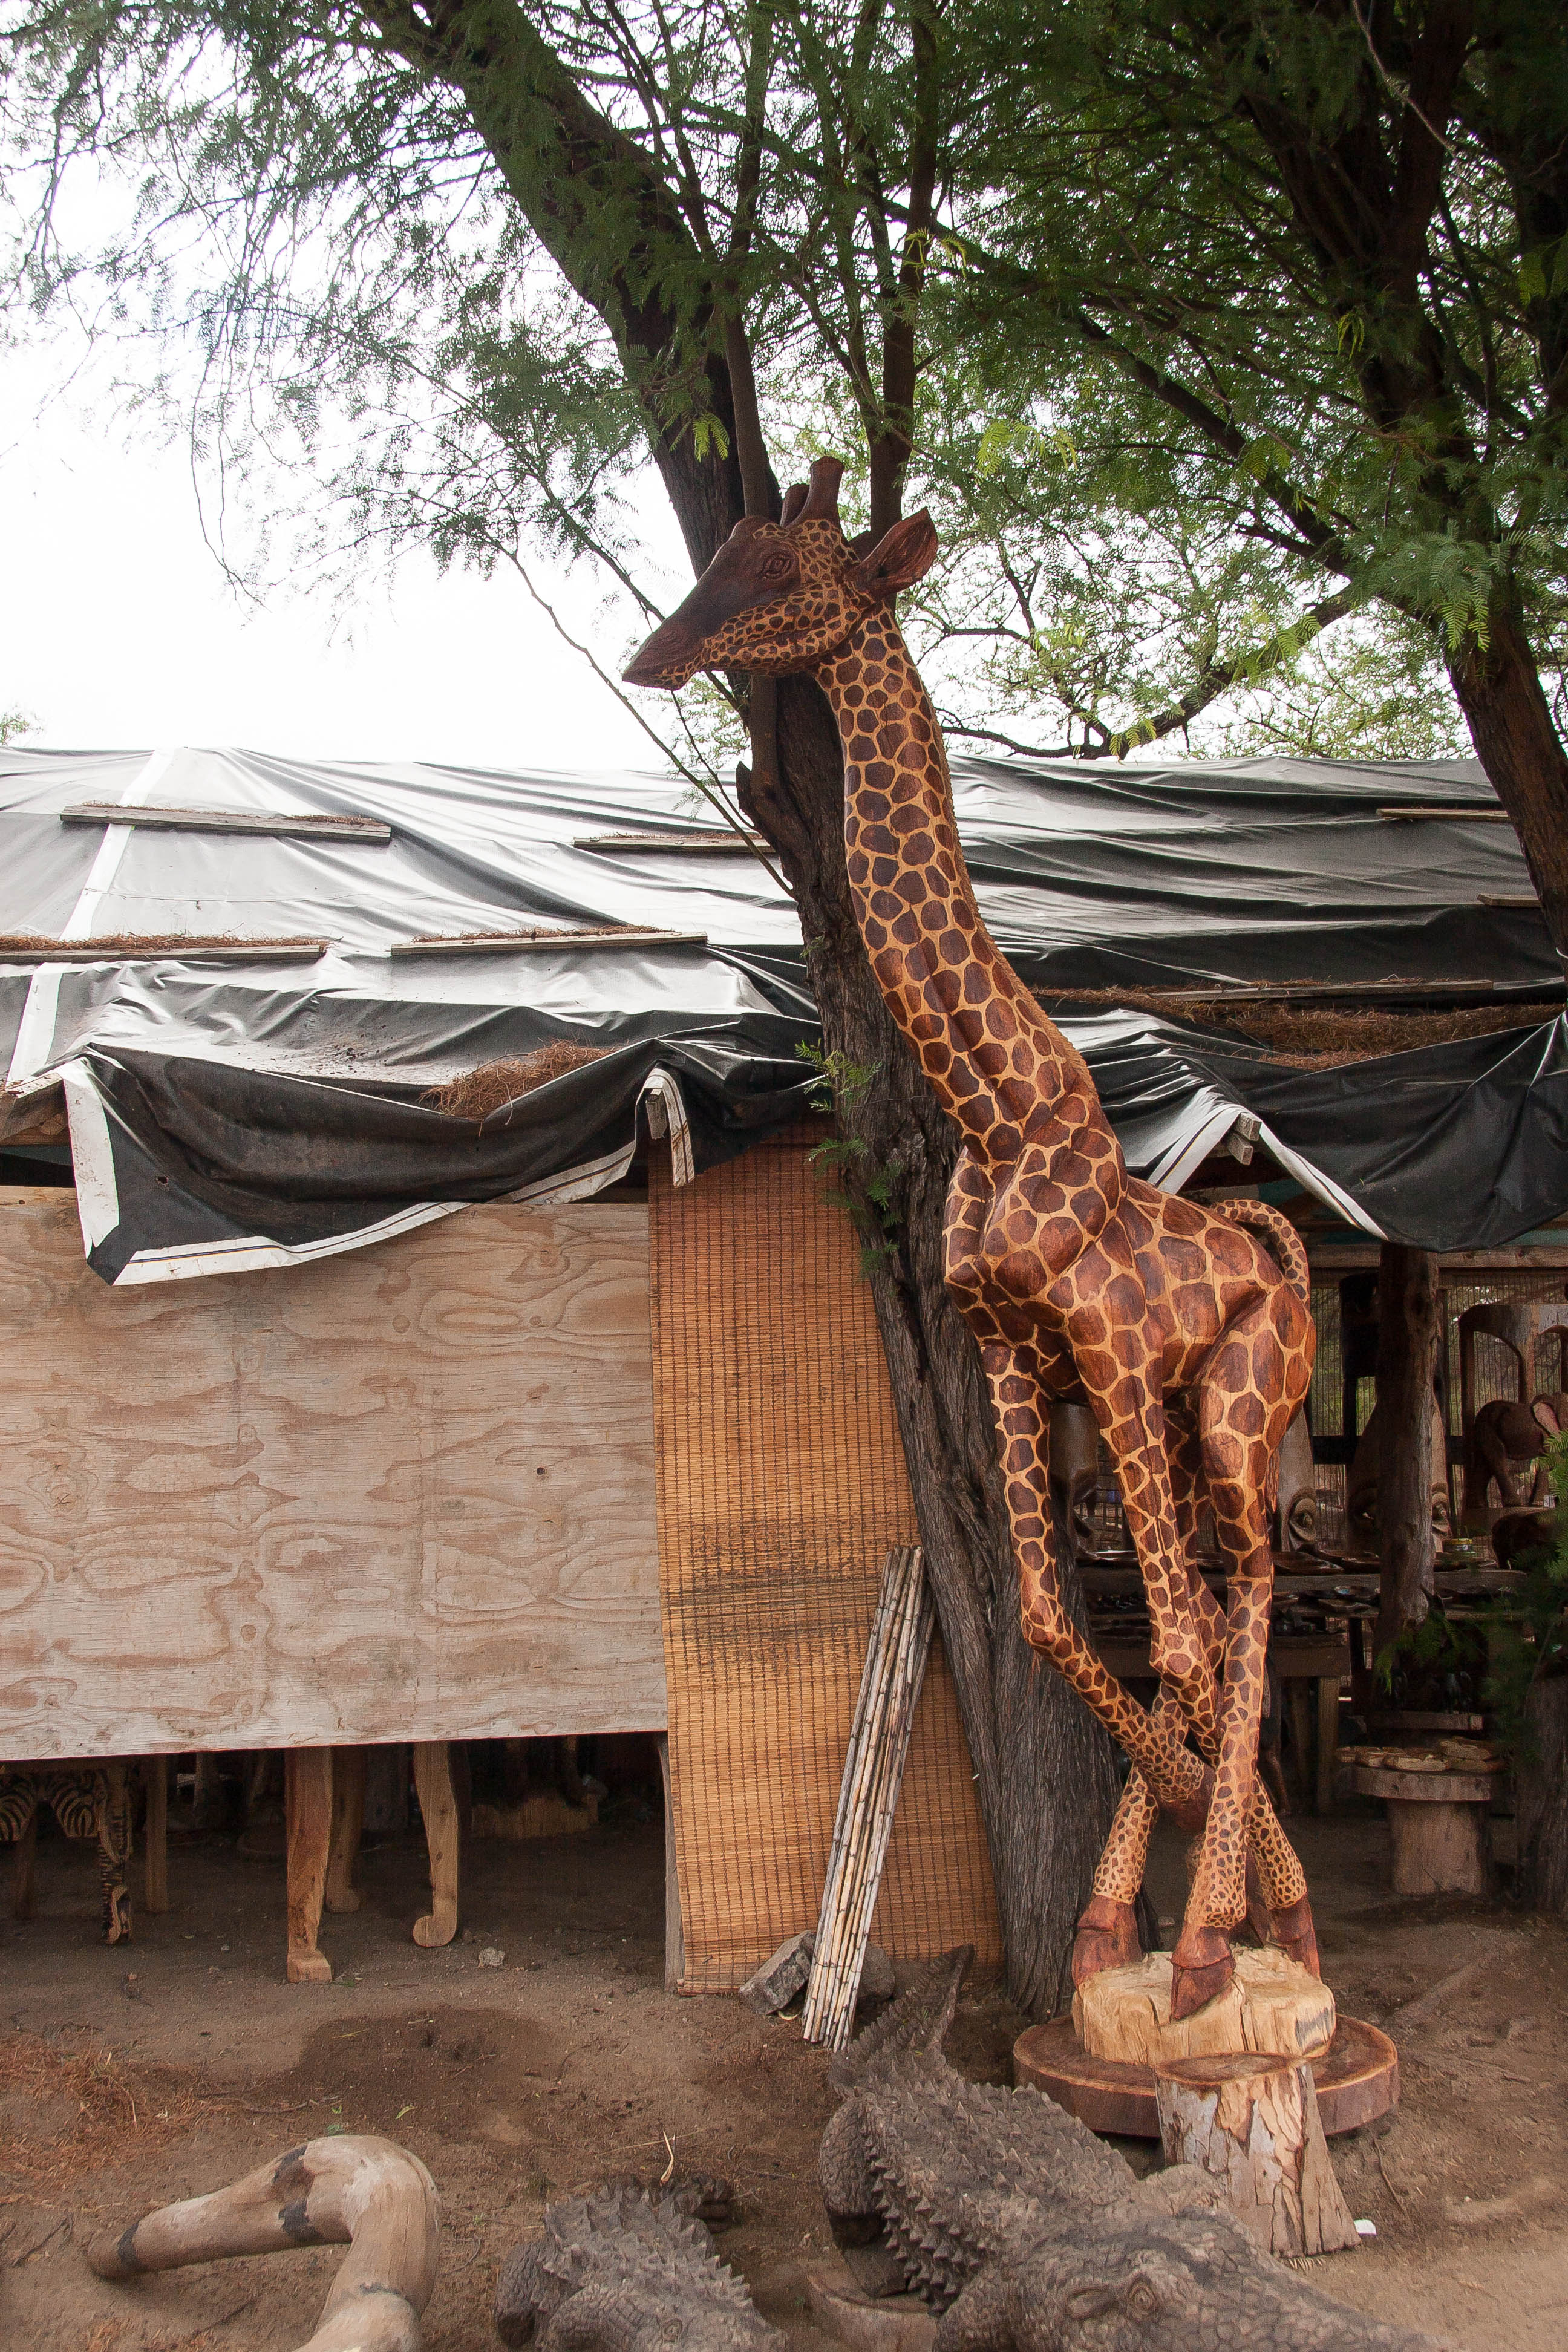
(1190, 1341)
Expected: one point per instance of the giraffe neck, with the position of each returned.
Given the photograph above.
(947, 984)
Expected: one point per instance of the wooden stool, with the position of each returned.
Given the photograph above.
(323, 1803)
(1437, 1827)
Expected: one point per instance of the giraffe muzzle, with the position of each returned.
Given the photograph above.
(669, 659)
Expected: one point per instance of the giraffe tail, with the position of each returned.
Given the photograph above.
(1284, 1242)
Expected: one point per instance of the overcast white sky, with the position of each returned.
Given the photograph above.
(117, 627)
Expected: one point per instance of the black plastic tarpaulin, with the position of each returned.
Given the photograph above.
(187, 1166)
(225, 1117)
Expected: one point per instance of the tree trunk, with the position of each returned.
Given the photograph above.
(1045, 1772)
(1499, 691)
(1540, 1877)
(1406, 1366)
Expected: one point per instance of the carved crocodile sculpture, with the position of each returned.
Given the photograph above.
(630, 2270)
(1030, 2234)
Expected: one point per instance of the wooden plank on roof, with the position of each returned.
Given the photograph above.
(673, 845)
(149, 947)
(544, 942)
(1454, 812)
(284, 824)
(403, 1494)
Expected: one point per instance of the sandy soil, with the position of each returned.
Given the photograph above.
(570, 2065)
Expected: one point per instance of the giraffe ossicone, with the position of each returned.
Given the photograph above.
(1184, 1329)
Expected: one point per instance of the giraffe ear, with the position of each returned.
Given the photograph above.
(900, 558)
(794, 497)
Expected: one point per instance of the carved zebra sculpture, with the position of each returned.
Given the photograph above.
(88, 1801)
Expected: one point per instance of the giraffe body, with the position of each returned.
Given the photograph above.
(1188, 1338)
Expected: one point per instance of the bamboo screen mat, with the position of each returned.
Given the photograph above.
(781, 1485)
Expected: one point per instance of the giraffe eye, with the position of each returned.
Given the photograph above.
(776, 567)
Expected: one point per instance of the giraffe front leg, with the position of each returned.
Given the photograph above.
(1019, 1408)
(1107, 1930)
(1106, 1934)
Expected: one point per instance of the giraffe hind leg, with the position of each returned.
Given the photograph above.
(1250, 1387)
(1276, 1886)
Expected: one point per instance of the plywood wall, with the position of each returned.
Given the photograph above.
(405, 1493)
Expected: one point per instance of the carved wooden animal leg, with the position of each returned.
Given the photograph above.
(348, 1822)
(1249, 1387)
(443, 1834)
(1276, 1883)
(1131, 1418)
(308, 1815)
(155, 1780)
(1276, 1887)
(365, 2192)
(92, 1802)
(1021, 1415)
(114, 1842)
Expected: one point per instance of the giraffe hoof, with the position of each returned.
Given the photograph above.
(1201, 1968)
(1293, 1931)
(1106, 1937)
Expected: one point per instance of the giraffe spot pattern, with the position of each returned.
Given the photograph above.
(1174, 1322)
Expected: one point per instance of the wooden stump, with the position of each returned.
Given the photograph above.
(1439, 1834)
(1252, 2123)
(1271, 2004)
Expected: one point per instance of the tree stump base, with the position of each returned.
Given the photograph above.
(1251, 2122)
(1271, 2004)
(1437, 1828)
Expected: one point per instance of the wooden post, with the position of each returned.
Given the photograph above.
(308, 1817)
(1406, 1366)
(1328, 1741)
(443, 1836)
(348, 1821)
(386, 1787)
(1541, 1876)
(155, 1779)
(1299, 1715)
(1252, 2122)
(23, 1878)
(676, 1934)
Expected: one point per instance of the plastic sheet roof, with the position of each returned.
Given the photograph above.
(1144, 876)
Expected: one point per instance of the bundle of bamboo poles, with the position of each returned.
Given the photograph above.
(869, 1797)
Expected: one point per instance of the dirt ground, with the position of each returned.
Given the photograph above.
(570, 2065)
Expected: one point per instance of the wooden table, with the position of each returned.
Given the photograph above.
(1437, 1827)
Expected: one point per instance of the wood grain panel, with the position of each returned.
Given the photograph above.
(403, 1494)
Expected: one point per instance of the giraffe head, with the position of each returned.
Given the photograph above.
(782, 596)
